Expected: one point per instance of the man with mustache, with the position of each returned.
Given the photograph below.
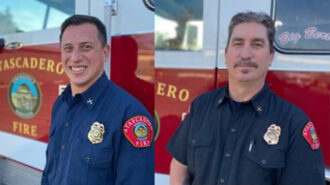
(244, 133)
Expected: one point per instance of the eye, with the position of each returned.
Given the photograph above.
(237, 43)
(86, 47)
(258, 44)
(67, 49)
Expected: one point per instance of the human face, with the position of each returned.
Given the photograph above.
(82, 56)
(248, 56)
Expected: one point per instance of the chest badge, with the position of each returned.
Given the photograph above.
(273, 134)
(95, 134)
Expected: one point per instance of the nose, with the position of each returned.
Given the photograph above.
(76, 56)
(246, 52)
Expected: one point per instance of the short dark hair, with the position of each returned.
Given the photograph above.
(82, 19)
(261, 18)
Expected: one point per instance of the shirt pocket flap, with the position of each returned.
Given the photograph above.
(201, 140)
(267, 158)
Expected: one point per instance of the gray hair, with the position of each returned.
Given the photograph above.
(260, 18)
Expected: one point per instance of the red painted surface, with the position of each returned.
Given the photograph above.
(170, 106)
(132, 66)
(48, 81)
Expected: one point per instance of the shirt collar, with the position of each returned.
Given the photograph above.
(258, 101)
(223, 95)
(91, 95)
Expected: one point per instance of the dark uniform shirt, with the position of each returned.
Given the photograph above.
(222, 142)
(72, 159)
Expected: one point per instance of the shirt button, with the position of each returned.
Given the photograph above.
(263, 161)
(227, 155)
(87, 159)
(59, 169)
(63, 147)
(193, 141)
(232, 130)
(67, 124)
(222, 181)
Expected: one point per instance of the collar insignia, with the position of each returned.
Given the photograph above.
(259, 109)
(90, 101)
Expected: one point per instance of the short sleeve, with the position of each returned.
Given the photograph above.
(178, 144)
(304, 161)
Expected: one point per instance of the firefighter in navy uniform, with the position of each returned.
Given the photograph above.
(244, 133)
(99, 135)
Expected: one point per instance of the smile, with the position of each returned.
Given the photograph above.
(78, 69)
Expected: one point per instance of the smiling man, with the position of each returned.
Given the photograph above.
(244, 133)
(99, 134)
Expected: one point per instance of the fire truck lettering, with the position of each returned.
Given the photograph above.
(50, 66)
(183, 95)
(59, 68)
(12, 63)
(34, 62)
(171, 91)
(42, 64)
(25, 62)
(6, 65)
(161, 89)
(25, 129)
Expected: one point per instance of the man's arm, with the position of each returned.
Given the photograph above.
(179, 174)
(304, 161)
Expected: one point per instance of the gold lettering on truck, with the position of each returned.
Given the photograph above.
(42, 64)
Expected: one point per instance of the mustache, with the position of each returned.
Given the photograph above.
(246, 63)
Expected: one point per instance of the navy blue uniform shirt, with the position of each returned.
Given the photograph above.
(222, 142)
(72, 159)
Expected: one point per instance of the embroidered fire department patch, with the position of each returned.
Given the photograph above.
(139, 132)
(310, 135)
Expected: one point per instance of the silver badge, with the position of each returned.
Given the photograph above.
(273, 134)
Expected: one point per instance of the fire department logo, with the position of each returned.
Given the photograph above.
(139, 131)
(310, 135)
(24, 96)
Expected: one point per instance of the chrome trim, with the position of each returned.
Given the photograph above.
(13, 45)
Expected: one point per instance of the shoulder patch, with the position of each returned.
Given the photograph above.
(138, 131)
(310, 135)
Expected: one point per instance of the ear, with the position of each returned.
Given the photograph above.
(106, 53)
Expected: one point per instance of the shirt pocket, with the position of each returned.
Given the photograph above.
(199, 156)
(261, 165)
(97, 159)
(267, 158)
